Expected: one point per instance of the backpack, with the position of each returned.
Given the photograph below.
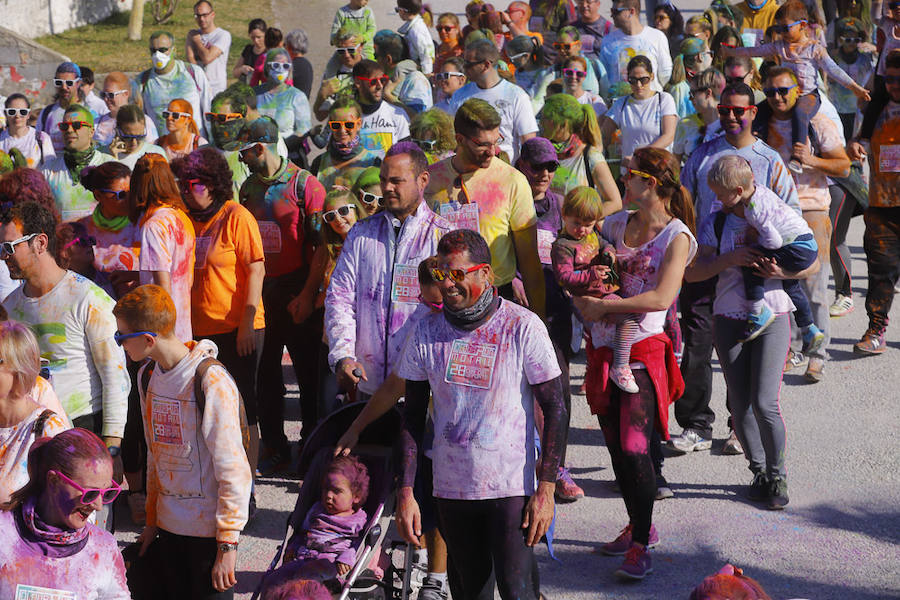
(146, 373)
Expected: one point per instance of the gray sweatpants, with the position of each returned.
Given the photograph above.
(753, 374)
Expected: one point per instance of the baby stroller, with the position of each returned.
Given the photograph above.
(376, 450)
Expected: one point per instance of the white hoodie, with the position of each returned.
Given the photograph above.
(198, 477)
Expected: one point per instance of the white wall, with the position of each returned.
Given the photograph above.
(32, 18)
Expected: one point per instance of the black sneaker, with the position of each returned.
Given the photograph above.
(778, 495)
(759, 488)
(251, 509)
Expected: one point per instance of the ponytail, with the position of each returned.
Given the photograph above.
(665, 168)
(678, 73)
(590, 128)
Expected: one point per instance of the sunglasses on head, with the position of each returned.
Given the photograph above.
(129, 136)
(426, 145)
(222, 117)
(347, 51)
(120, 338)
(119, 194)
(7, 249)
(278, 67)
(781, 91)
(564, 45)
(346, 125)
(574, 73)
(383, 80)
(65, 82)
(82, 241)
(75, 125)
(89, 495)
(22, 112)
(785, 28)
(446, 75)
(370, 198)
(111, 95)
(174, 114)
(162, 49)
(725, 110)
(456, 275)
(642, 80)
(343, 211)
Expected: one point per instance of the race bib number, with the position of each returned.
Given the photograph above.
(889, 159)
(461, 216)
(471, 364)
(271, 236)
(545, 242)
(166, 421)
(631, 285)
(31, 592)
(405, 286)
(201, 251)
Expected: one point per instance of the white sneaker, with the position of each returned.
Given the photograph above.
(624, 379)
(841, 306)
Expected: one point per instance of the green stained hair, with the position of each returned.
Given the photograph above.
(439, 125)
(82, 111)
(564, 109)
(369, 176)
(583, 203)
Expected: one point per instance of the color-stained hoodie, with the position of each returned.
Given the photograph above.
(374, 289)
(198, 477)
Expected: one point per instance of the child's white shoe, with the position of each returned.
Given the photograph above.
(624, 379)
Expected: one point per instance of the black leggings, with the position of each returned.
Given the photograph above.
(843, 208)
(243, 369)
(628, 430)
(186, 568)
(485, 536)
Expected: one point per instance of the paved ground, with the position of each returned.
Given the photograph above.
(838, 538)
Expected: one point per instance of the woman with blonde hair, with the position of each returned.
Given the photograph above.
(184, 135)
(22, 418)
(166, 235)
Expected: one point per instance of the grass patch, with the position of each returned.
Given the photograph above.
(104, 46)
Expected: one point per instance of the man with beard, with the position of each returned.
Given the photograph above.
(374, 287)
(476, 190)
(63, 173)
(736, 113)
(285, 200)
(383, 124)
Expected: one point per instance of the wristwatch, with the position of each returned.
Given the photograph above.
(227, 546)
(114, 451)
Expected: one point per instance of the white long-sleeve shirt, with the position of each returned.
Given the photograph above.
(420, 43)
(198, 477)
(74, 325)
(374, 289)
(777, 223)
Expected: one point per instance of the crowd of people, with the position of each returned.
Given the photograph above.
(480, 202)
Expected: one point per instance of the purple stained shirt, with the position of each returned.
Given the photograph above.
(483, 407)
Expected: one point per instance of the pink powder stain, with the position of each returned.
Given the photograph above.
(633, 442)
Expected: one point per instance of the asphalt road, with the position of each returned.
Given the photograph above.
(838, 539)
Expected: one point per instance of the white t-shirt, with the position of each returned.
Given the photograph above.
(15, 442)
(7, 285)
(483, 406)
(594, 100)
(35, 145)
(383, 128)
(618, 49)
(95, 105)
(640, 121)
(48, 121)
(513, 104)
(216, 71)
(730, 298)
(74, 325)
(777, 223)
(131, 159)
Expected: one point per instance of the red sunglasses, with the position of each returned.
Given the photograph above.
(383, 80)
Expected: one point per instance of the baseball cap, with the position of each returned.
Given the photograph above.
(263, 130)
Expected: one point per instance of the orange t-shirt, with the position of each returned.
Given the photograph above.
(226, 245)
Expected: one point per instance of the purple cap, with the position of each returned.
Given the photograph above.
(538, 151)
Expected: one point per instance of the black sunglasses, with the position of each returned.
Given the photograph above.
(725, 110)
(781, 91)
(548, 166)
(163, 50)
(129, 136)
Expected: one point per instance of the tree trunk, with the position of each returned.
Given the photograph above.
(136, 21)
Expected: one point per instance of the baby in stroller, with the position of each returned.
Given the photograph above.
(325, 546)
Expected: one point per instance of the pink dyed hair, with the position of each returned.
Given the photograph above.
(355, 472)
(298, 589)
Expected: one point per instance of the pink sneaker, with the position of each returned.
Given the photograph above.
(623, 543)
(624, 379)
(637, 564)
(566, 488)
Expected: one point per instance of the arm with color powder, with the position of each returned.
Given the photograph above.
(109, 361)
(770, 50)
(409, 519)
(576, 282)
(823, 62)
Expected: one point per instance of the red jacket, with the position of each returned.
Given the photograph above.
(659, 357)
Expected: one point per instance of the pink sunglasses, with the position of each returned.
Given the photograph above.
(88, 495)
